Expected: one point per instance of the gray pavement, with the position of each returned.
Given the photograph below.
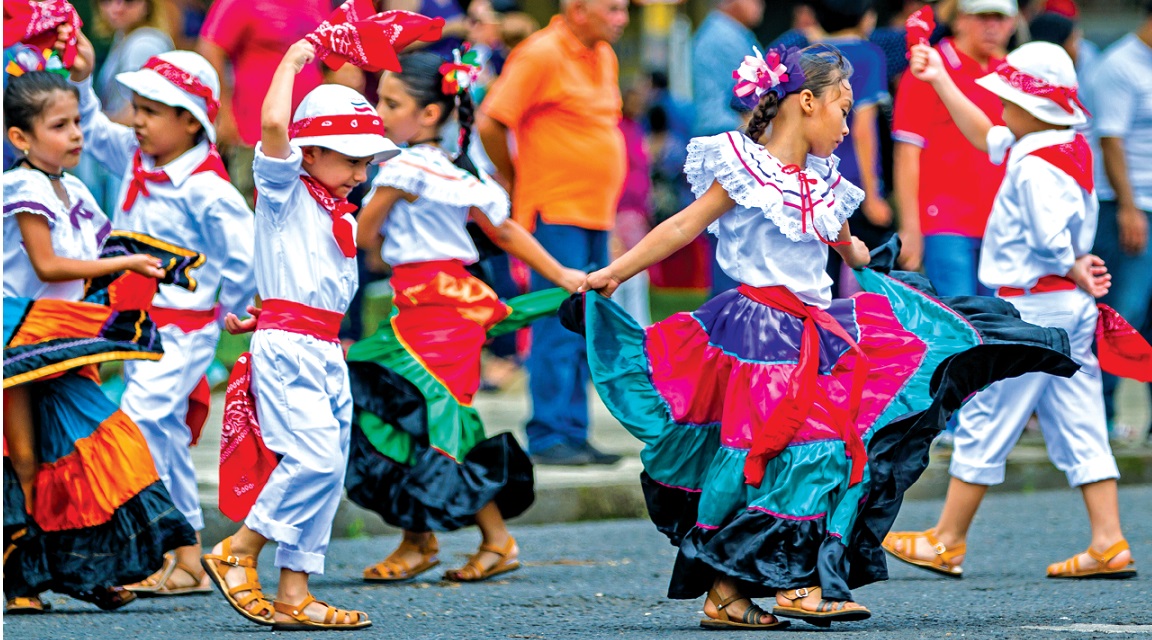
(607, 580)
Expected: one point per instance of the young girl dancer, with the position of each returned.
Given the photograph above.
(763, 411)
(420, 457)
(305, 167)
(84, 510)
(175, 189)
(1036, 251)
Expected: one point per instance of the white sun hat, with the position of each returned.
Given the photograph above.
(1040, 78)
(339, 118)
(975, 7)
(179, 79)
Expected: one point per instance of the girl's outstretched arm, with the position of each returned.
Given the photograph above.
(516, 240)
(855, 253)
(276, 114)
(927, 65)
(667, 238)
(49, 267)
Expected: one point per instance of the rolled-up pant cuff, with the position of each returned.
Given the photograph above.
(196, 520)
(283, 534)
(986, 475)
(297, 560)
(1094, 470)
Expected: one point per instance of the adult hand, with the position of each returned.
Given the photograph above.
(85, 54)
(912, 251)
(145, 265)
(602, 281)
(1133, 227)
(926, 64)
(236, 326)
(877, 211)
(1090, 274)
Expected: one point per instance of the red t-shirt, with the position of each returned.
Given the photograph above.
(957, 181)
(256, 34)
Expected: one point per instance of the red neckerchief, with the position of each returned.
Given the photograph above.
(807, 207)
(355, 33)
(336, 208)
(1073, 158)
(35, 23)
(792, 411)
(141, 176)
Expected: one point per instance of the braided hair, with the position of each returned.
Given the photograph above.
(423, 81)
(824, 66)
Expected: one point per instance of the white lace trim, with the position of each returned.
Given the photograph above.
(755, 179)
(434, 177)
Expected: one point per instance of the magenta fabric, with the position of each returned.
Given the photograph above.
(637, 181)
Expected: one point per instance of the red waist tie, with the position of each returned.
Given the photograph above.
(294, 317)
(1043, 285)
(792, 411)
(186, 320)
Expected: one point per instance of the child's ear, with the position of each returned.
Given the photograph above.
(191, 125)
(807, 101)
(19, 139)
(430, 115)
(309, 154)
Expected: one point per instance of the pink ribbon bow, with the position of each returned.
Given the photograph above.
(371, 41)
(756, 75)
(918, 27)
(35, 23)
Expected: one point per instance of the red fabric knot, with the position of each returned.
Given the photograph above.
(1073, 158)
(355, 33)
(1041, 88)
(34, 23)
(336, 208)
(342, 125)
(140, 179)
(186, 82)
(807, 207)
(803, 386)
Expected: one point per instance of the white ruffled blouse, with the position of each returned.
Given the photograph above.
(433, 227)
(770, 237)
(78, 231)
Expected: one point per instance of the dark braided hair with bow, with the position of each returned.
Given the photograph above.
(824, 67)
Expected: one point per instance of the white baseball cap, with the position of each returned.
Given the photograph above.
(179, 79)
(1006, 7)
(1040, 78)
(339, 118)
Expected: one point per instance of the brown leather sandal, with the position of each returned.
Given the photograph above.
(157, 585)
(748, 621)
(901, 545)
(217, 565)
(826, 612)
(394, 569)
(301, 621)
(21, 606)
(1070, 568)
(474, 571)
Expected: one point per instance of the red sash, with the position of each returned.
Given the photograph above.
(294, 317)
(1043, 285)
(245, 461)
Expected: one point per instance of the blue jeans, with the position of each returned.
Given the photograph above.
(1131, 290)
(950, 262)
(558, 364)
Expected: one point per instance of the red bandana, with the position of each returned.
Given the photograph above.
(918, 27)
(343, 125)
(186, 82)
(353, 33)
(807, 208)
(141, 176)
(1041, 88)
(336, 207)
(1073, 158)
(34, 24)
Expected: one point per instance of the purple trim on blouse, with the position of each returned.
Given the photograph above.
(29, 205)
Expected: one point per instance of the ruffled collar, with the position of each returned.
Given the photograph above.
(428, 172)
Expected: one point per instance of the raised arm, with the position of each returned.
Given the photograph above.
(927, 65)
(276, 114)
(113, 145)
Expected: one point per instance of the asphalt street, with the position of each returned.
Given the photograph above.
(607, 580)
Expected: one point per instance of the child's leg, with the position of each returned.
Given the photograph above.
(498, 552)
(1104, 517)
(416, 554)
(20, 436)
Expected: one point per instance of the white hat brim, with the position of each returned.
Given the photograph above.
(153, 86)
(359, 145)
(1043, 108)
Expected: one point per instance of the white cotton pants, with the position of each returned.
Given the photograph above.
(304, 406)
(156, 398)
(1070, 410)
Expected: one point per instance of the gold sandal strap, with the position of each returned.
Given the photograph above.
(1110, 554)
(944, 553)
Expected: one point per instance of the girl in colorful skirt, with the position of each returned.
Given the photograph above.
(84, 509)
(419, 456)
(782, 427)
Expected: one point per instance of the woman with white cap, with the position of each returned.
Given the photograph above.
(1036, 252)
(175, 189)
(306, 274)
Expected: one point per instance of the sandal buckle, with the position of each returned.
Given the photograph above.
(939, 548)
(802, 592)
(232, 560)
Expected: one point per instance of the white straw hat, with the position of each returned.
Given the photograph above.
(973, 7)
(179, 79)
(339, 118)
(1040, 78)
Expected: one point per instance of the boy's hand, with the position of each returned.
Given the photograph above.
(300, 54)
(85, 54)
(926, 64)
(602, 281)
(236, 326)
(1090, 274)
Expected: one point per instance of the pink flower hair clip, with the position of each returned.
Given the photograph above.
(779, 72)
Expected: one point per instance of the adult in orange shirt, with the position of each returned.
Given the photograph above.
(559, 98)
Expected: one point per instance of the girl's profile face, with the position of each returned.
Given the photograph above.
(124, 15)
(829, 122)
(55, 141)
(399, 110)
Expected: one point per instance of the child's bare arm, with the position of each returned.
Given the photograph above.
(373, 215)
(927, 65)
(667, 238)
(855, 253)
(516, 240)
(50, 267)
(276, 114)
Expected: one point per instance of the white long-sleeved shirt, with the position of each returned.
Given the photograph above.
(1042, 219)
(198, 211)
